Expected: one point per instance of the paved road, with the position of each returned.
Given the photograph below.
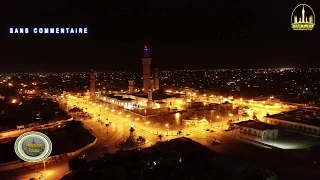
(4, 139)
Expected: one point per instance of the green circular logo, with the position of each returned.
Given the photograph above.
(33, 146)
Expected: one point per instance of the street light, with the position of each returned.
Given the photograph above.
(167, 126)
(211, 115)
(218, 117)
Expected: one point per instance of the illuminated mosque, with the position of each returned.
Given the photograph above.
(150, 97)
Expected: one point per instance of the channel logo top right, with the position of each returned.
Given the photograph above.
(303, 18)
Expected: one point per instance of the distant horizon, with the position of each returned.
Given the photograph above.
(78, 70)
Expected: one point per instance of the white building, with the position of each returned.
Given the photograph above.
(302, 121)
(258, 129)
(195, 121)
(129, 101)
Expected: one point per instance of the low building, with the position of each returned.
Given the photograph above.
(196, 121)
(258, 129)
(130, 101)
(302, 121)
(120, 101)
(226, 105)
(196, 104)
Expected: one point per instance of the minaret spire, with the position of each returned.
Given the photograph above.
(146, 52)
(146, 63)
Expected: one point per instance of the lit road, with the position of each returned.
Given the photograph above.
(15, 133)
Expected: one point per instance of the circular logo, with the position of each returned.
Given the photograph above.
(303, 18)
(33, 146)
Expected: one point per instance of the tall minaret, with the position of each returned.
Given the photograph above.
(146, 62)
(303, 14)
(156, 79)
(92, 85)
(152, 83)
(131, 86)
(149, 98)
(187, 92)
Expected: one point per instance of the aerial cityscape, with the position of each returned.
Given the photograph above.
(94, 117)
(154, 90)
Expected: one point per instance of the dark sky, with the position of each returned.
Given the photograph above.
(180, 33)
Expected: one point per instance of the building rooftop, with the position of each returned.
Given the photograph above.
(255, 125)
(227, 102)
(119, 97)
(156, 96)
(309, 117)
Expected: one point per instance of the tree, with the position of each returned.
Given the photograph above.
(254, 116)
(107, 126)
(77, 163)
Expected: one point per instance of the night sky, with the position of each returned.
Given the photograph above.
(181, 34)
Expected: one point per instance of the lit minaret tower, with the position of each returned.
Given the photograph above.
(152, 83)
(131, 86)
(92, 85)
(156, 79)
(146, 62)
(149, 98)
